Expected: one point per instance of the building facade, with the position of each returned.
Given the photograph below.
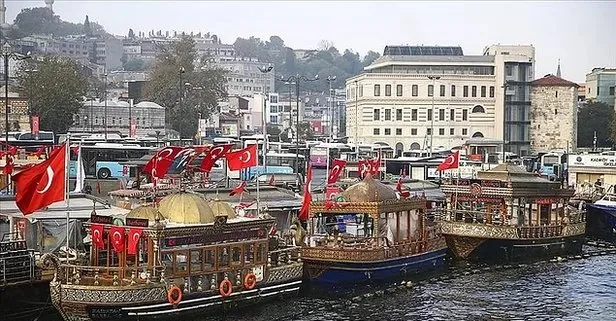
(421, 97)
(600, 85)
(553, 114)
(147, 116)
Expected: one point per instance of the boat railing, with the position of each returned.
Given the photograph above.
(18, 263)
(360, 249)
(284, 256)
(110, 276)
(540, 231)
(500, 219)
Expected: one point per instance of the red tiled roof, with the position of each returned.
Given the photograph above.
(551, 80)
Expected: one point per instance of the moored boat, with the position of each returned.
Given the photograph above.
(510, 214)
(369, 233)
(182, 258)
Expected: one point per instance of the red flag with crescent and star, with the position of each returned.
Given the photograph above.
(116, 237)
(134, 234)
(160, 163)
(375, 165)
(42, 184)
(243, 158)
(304, 211)
(337, 167)
(400, 189)
(239, 189)
(452, 161)
(96, 230)
(364, 167)
(215, 153)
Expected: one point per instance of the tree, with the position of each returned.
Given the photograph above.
(200, 86)
(370, 57)
(324, 45)
(43, 21)
(131, 33)
(273, 131)
(305, 130)
(87, 30)
(596, 117)
(56, 89)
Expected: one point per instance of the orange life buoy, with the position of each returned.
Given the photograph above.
(176, 292)
(250, 280)
(225, 288)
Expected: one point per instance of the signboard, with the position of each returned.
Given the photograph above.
(594, 160)
(98, 219)
(213, 238)
(545, 201)
(477, 199)
(35, 125)
(138, 222)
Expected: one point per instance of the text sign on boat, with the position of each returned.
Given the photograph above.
(545, 201)
(138, 222)
(212, 238)
(98, 219)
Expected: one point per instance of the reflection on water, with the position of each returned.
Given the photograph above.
(574, 290)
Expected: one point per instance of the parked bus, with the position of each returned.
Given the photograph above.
(29, 141)
(103, 160)
(319, 153)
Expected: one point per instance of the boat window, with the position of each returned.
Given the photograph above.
(236, 255)
(209, 259)
(181, 261)
(223, 256)
(195, 260)
(261, 253)
(249, 253)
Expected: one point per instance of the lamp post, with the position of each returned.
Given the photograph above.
(297, 80)
(182, 71)
(105, 108)
(330, 118)
(434, 79)
(356, 122)
(264, 71)
(504, 86)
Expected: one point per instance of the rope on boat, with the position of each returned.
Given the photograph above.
(603, 249)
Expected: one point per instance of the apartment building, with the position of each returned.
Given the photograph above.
(417, 97)
(600, 85)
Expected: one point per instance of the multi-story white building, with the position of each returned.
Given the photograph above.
(601, 85)
(244, 77)
(421, 97)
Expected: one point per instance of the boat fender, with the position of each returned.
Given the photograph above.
(225, 288)
(250, 281)
(174, 295)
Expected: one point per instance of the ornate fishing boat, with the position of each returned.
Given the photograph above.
(370, 233)
(184, 257)
(510, 214)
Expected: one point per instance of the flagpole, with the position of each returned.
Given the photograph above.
(67, 154)
(257, 173)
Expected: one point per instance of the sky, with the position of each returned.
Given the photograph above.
(580, 34)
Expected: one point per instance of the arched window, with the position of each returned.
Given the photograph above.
(478, 109)
(415, 146)
(399, 149)
(477, 134)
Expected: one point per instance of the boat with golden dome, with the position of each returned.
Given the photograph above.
(184, 257)
(369, 232)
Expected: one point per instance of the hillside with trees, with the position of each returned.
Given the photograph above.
(43, 21)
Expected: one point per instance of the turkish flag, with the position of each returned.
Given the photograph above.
(375, 165)
(160, 163)
(215, 153)
(9, 166)
(96, 230)
(334, 173)
(304, 211)
(134, 235)
(12, 150)
(364, 167)
(41, 184)
(243, 158)
(116, 237)
(403, 193)
(452, 161)
(239, 189)
(183, 159)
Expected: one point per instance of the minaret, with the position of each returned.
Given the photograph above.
(558, 70)
(49, 4)
(2, 13)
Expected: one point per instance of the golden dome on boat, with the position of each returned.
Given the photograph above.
(222, 208)
(369, 190)
(145, 212)
(186, 208)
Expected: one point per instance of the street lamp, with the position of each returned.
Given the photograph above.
(182, 71)
(434, 79)
(330, 118)
(504, 87)
(105, 108)
(264, 71)
(297, 80)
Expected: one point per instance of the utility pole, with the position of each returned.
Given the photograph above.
(434, 79)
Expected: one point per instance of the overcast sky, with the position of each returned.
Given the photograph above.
(581, 34)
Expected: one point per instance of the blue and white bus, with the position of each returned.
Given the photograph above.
(104, 160)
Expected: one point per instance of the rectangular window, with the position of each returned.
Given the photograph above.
(491, 91)
(442, 91)
(361, 91)
(398, 114)
(441, 131)
(387, 90)
(399, 90)
(465, 91)
(430, 90)
(387, 131)
(377, 90)
(375, 131)
(377, 114)
(464, 131)
(474, 91)
(612, 91)
(398, 131)
(465, 114)
(453, 90)
(483, 91)
(509, 70)
(413, 131)
(414, 114)
(429, 131)
(415, 90)
(387, 114)
(429, 114)
(452, 114)
(441, 114)
(452, 131)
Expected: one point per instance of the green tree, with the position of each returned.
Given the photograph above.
(57, 90)
(43, 21)
(305, 130)
(370, 57)
(273, 132)
(596, 117)
(200, 86)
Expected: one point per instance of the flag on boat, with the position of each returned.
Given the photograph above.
(337, 167)
(214, 154)
(364, 167)
(304, 211)
(81, 173)
(452, 161)
(375, 165)
(9, 166)
(400, 189)
(96, 230)
(134, 234)
(116, 237)
(243, 158)
(160, 163)
(239, 189)
(42, 184)
(183, 158)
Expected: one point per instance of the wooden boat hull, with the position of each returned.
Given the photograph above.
(80, 303)
(322, 272)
